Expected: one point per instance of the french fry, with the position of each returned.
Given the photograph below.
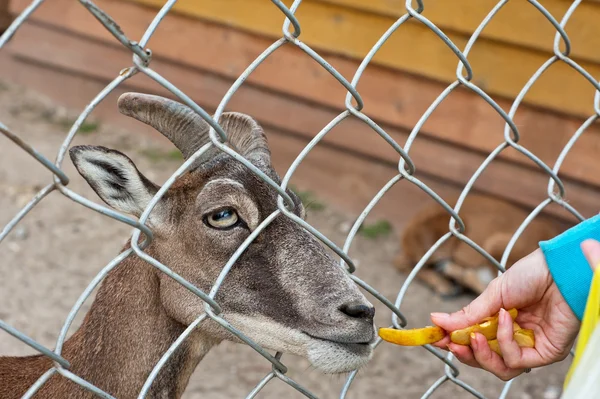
(493, 343)
(429, 335)
(524, 337)
(488, 327)
(414, 337)
(516, 326)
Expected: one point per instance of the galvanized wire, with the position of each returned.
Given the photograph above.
(142, 58)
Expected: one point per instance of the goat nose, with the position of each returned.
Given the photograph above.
(358, 310)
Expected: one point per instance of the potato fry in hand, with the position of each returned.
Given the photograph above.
(516, 326)
(488, 328)
(493, 343)
(525, 339)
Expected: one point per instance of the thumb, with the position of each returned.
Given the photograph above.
(591, 250)
(486, 304)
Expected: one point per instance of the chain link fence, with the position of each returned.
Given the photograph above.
(291, 34)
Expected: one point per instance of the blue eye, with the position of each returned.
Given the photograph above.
(223, 218)
(225, 214)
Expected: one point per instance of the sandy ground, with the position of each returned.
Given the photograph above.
(53, 254)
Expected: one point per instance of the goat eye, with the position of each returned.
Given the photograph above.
(223, 219)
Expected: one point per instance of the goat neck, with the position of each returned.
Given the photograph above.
(121, 339)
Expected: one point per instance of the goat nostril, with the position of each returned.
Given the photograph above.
(358, 310)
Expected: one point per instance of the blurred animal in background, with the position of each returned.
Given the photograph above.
(455, 267)
(5, 16)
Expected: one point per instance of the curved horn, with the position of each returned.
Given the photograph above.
(182, 126)
(188, 131)
(246, 136)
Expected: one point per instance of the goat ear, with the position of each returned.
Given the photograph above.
(114, 177)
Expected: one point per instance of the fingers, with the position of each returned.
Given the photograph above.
(490, 360)
(514, 356)
(591, 250)
(512, 353)
(464, 354)
(479, 354)
(486, 304)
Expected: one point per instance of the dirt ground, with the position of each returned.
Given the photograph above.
(53, 254)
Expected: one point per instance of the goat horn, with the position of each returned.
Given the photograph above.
(246, 136)
(182, 126)
(188, 131)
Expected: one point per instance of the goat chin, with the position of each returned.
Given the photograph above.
(334, 358)
(326, 356)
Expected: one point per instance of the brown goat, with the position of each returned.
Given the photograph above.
(455, 265)
(285, 291)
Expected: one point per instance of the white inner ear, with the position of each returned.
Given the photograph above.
(116, 180)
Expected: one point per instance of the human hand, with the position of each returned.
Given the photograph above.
(527, 286)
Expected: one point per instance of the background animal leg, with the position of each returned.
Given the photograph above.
(440, 285)
(475, 279)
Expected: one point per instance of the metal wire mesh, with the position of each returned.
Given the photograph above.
(291, 33)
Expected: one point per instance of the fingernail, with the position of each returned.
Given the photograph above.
(440, 315)
(449, 348)
(474, 344)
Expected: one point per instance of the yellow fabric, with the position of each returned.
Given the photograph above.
(591, 317)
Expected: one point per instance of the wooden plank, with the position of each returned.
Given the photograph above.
(433, 158)
(391, 98)
(500, 69)
(513, 24)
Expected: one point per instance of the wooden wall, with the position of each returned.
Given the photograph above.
(206, 44)
(517, 41)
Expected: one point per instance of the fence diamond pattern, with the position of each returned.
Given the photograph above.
(291, 36)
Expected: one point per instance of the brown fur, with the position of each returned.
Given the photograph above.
(107, 350)
(489, 222)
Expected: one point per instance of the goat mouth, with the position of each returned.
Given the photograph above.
(359, 346)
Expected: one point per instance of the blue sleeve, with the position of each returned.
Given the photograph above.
(567, 264)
